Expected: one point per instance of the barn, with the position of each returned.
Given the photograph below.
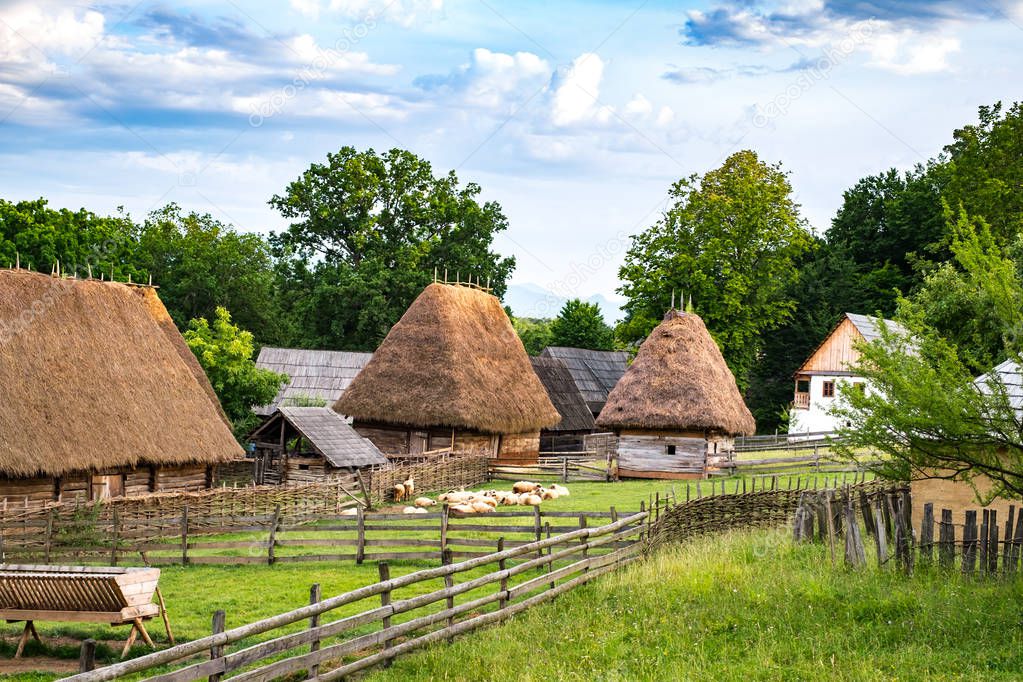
(576, 418)
(309, 445)
(594, 372)
(676, 405)
(103, 398)
(316, 378)
(451, 373)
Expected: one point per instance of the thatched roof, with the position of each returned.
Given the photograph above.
(595, 372)
(561, 389)
(329, 434)
(313, 375)
(452, 360)
(92, 380)
(678, 382)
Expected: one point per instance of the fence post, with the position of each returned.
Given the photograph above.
(1017, 539)
(1006, 553)
(115, 536)
(969, 538)
(880, 537)
(585, 539)
(927, 534)
(360, 547)
(184, 535)
(946, 539)
(537, 528)
(983, 540)
(385, 600)
(87, 656)
(314, 622)
(449, 582)
(49, 543)
(443, 530)
(550, 551)
(217, 650)
(272, 540)
(992, 541)
(614, 514)
(564, 469)
(502, 565)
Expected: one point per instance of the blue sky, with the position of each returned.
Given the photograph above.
(576, 117)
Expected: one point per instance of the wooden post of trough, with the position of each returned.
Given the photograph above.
(314, 622)
(184, 535)
(217, 651)
(87, 656)
(385, 599)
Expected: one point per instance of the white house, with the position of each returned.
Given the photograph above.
(819, 377)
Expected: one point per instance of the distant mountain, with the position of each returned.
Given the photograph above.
(532, 300)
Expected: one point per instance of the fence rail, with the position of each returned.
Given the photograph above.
(543, 570)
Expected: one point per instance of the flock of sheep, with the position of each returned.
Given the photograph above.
(524, 493)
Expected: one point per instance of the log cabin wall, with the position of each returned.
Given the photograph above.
(662, 454)
(390, 440)
(397, 440)
(520, 447)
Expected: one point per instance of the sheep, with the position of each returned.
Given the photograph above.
(399, 492)
(456, 497)
(462, 509)
(424, 502)
(482, 508)
(410, 486)
(510, 499)
(410, 510)
(547, 493)
(484, 499)
(532, 500)
(524, 487)
(561, 490)
(353, 511)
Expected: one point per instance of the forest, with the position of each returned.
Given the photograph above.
(368, 231)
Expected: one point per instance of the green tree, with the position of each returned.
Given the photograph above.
(581, 325)
(730, 242)
(378, 227)
(201, 264)
(226, 354)
(534, 333)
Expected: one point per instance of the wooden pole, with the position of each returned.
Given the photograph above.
(385, 598)
(314, 622)
(360, 547)
(87, 656)
(184, 535)
(271, 543)
(217, 650)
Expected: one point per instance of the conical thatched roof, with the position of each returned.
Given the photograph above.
(678, 382)
(452, 360)
(92, 380)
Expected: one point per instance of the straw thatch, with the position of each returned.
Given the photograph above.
(678, 382)
(452, 360)
(564, 394)
(91, 381)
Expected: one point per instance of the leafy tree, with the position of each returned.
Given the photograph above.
(378, 227)
(38, 236)
(201, 264)
(731, 242)
(535, 334)
(225, 353)
(581, 325)
(926, 410)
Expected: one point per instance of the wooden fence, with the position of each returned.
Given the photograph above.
(978, 546)
(336, 642)
(815, 462)
(565, 468)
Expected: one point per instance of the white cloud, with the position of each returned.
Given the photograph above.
(639, 105)
(493, 80)
(910, 53)
(403, 12)
(577, 92)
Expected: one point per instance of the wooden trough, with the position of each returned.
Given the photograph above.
(88, 594)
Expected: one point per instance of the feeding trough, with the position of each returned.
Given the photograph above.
(82, 594)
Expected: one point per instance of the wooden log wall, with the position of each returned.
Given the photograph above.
(519, 447)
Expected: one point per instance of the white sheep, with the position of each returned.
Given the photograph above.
(482, 508)
(410, 510)
(560, 489)
(353, 511)
(510, 499)
(424, 502)
(462, 509)
(524, 487)
(531, 499)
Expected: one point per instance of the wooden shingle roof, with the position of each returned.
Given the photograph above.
(333, 437)
(561, 389)
(595, 372)
(317, 376)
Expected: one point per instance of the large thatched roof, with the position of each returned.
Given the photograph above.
(93, 379)
(452, 360)
(679, 381)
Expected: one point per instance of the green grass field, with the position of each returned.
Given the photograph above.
(751, 606)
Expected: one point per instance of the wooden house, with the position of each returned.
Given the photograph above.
(310, 444)
(451, 373)
(316, 378)
(595, 372)
(102, 397)
(576, 418)
(677, 405)
(819, 377)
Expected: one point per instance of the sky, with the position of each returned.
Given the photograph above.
(576, 117)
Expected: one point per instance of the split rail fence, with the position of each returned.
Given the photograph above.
(394, 616)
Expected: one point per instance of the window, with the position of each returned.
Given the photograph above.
(829, 389)
(303, 467)
(803, 386)
(671, 449)
(860, 387)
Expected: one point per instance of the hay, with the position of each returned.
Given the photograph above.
(678, 382)
(452, 360)
(91, 382)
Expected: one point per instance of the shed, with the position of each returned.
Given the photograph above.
(451, 373)
(677, 405)
(576, 418)
(595, 372)
(103, 398)
(308, 444)
(316, 378)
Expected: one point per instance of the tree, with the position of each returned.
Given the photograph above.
(225, 353)
(926, 411)
(730, 242)
(379, 227)
(201, 264)
(581, 325)
(534, 333)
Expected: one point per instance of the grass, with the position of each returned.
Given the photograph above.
(747, 605)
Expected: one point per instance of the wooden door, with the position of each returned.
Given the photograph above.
(107, 486)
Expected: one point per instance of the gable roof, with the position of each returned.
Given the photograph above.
(835, 352)
(330, 435)
(453, 360)
(92, 379)
(678, 382)
(867, 326)
(1010, 376)
(567, 400)
(595, 372)
(313, 374)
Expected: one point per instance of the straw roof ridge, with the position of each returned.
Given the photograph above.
(452, 360)
(679, 381)
(96, 380)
